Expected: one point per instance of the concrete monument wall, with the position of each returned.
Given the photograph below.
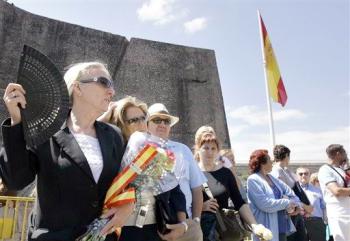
(185, 79)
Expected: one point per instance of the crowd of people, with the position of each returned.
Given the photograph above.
(74, 168)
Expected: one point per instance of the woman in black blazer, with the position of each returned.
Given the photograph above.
(75, 167)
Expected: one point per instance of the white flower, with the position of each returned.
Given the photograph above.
(161, 150)
(262, 232)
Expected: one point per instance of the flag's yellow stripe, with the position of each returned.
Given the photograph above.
(272, 70)
(125, 195)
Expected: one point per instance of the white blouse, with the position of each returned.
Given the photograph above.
(90, 146)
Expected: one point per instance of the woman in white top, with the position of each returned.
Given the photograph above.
(75, 167)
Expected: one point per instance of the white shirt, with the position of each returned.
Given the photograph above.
(90, 146)
(315, 197)
(187, 171)
(284, 174)
(336, 206)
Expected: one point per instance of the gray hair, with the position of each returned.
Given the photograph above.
(77, 71)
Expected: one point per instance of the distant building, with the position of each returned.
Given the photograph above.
(243, 170)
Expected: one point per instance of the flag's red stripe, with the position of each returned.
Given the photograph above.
(282, 94)
(119, 203)
(263, 28)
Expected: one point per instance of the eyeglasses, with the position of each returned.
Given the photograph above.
(158, 121)
(303, 173)
(136, 120)
(106, 83)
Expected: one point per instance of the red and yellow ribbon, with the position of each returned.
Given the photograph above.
(117, 195)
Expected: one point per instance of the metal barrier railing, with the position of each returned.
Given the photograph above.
(14, 217)
(14, 213)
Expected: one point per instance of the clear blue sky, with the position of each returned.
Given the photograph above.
(310, 40)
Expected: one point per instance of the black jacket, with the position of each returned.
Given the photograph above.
(68, 198)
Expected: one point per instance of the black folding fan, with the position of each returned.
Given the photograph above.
(46, 95)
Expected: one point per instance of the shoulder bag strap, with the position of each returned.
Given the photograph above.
(345, 183)
(217, 214)
(207, 190)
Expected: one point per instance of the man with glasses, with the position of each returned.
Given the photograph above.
(187, 171)
(336, 192)
(315, 226)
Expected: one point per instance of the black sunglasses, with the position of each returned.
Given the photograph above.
(136, 120)
(158, 121)
(107, 83)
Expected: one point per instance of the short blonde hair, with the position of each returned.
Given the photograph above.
(201, 131)
(119, 113)
(208, 138)
(200, 134)
(77, 71)
(314, 178)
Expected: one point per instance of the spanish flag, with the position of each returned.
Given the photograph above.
(274, 79)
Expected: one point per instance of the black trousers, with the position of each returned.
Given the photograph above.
(316, 229)
(300, 234)
(146, 233)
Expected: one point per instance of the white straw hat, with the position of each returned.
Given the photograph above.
(159, 110)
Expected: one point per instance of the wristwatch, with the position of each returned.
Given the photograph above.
(185, 224)
(197, 219)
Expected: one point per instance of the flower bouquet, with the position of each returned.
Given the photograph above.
(146, 165)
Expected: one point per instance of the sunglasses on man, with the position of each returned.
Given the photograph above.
(136, 120)
(103, 81)
(158, 121)
(303, 173)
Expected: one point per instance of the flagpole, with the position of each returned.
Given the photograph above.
(268, 99)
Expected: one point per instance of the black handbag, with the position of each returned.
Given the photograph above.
(164, 215)
(229, 226)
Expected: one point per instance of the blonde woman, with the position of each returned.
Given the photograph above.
(225, 158)
(314, 179)
(129, 114)
(222, 184)
(202, 132)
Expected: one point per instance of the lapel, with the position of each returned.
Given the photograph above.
(70, 146)
(106, 142)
